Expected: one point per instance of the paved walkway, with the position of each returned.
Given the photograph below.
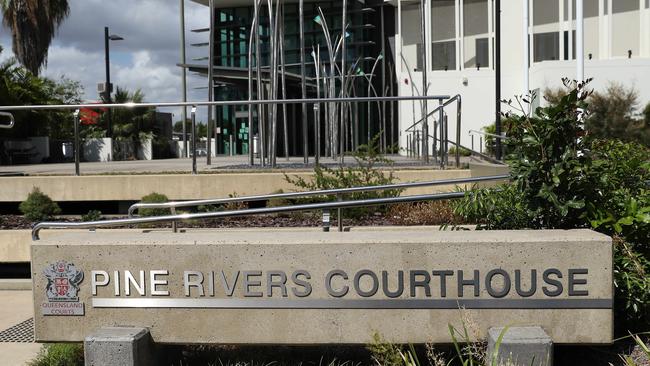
(16, 308)
(220, 163)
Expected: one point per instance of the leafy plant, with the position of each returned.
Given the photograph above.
(60, 354)
(38, 206)
(154, 198)
(385, 353)
(92, 215)
(365, 173)
(561, 179)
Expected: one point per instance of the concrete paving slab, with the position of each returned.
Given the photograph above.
(16, 308)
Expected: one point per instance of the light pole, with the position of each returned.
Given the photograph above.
(108, 88)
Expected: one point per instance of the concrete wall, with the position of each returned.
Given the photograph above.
(97, 150)
(255, 313)
(179, 186)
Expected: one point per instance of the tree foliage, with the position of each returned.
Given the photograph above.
(33, 25)
(18, 86)
(613, 113)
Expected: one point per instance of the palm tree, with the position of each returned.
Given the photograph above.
(33, 24)
(132, 125)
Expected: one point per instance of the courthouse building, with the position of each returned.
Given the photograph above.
(460, 58)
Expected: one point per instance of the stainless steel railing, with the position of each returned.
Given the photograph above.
(11, 120)
(325, 206)
(481, 134)
(328, 192)
(194, 105)
(248, 212)
(415, 141)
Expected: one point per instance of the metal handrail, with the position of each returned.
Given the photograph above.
(248, 212)
(436, 109)
(222, 103)
(326, 192)
(12, 121)
(504, 137)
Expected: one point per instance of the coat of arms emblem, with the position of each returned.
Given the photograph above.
(63, 281)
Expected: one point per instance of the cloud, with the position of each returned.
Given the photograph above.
(146, 59)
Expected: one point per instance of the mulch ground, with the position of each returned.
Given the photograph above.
(17, 222)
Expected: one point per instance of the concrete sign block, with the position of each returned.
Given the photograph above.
(275, 286)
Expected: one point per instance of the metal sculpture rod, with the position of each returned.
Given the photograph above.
(284, 86)
(273, 20)
(253, 32)
(210, 82)
(344, 23)
(303, 84)
(184, 78)
(383, 80)
(315, 54)
(260, 108)
(425, 125)
(370, 86)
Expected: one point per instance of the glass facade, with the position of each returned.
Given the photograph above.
(231, 51)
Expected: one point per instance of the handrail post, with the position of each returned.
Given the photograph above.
(193, 113)
(12, 121)
(458, 127)
(339, 213)
(174, 223)
(326, 220)
(317, 133)
(77, 171)
(441, 122)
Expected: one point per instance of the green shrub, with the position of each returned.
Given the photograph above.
(92, 215)
(562, 180)
(38, 206)
(60, 354)
(463, 151)
(154, 198)
(365, 173)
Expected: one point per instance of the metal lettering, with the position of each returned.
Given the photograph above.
(302, 283)
(577, 281)
(188, 283)
(400, 284)
(281, 284)
(533, 283)
(248, 283)
(93, 280)
(328, 283)
(506, 283)
(230, 290)
(443, 280)
(154, 283)
(549, 281)
(474, 282)
(357, 283)
(413, 283)
(130, 280)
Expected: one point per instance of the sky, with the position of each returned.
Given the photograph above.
(147, 57)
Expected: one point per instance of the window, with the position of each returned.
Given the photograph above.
(443, 34)
(482, 53)
(475, 19)
(444, 55)
(546, 46)
(626, 28)
(621, 6)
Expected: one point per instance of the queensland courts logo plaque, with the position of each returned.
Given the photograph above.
(62, 289)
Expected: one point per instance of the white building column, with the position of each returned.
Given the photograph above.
(644, 23)
(580, 41)
(526, 37)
